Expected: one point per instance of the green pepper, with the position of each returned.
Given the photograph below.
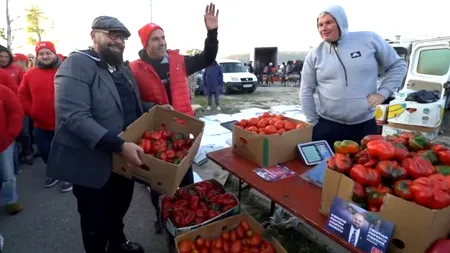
(443, 170)
(419, 142)
(429, 155)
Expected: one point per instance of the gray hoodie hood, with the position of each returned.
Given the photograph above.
(339, 15)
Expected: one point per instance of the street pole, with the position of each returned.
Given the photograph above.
(151, 11)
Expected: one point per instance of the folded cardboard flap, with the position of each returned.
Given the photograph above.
(215, 229)
(408, 217)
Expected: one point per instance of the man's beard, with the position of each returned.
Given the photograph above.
(111, 56)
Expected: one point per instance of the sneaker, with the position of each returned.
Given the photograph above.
(50, 182)
(66, 187)
(218, 108)
(14, 208)
(208, 108)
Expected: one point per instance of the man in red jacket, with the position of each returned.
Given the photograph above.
(161, 74)
(6, 63)
(37, 96)
(11, 116)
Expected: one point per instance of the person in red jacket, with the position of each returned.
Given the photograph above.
(22, 61)
(7, 80)
(161, 74)
(11, 116)
(6, 63)
(37, 95)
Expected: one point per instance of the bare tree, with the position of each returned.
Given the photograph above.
(8, 33)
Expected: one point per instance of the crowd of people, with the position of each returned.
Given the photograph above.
(78, 105)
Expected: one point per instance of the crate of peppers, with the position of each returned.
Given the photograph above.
(196, 205)
(394, 175)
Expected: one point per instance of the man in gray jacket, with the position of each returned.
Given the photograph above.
(343, 70)
(96, 98)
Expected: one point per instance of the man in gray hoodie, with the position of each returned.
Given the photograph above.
(343, 70)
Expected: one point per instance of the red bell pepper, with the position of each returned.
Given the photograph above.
(178, 144)
(156, 135)
(193, 202)
(365, 176)
(228, 207)
(188, 218)
(163, 156)
(370, 138)
(199, 220)
(418, 167)
(444, 156)
(440, 246)
(182, 193)
(396, 140)
(211, 194)
(374, 197)
(401, 189)
(188, 142)
(363, 158)
(165, 134)
(181, 202)
(170, 154)
(203, 213)
(437, 147)
(430, 193)
(428, 155)
(381, 149)
(358, 193)
(340, 163)
(401, 152)
(177, 218)
(167, 202)
(391, 170)
(166, 214)
(205, 184)
(407, 136)
(346, 147)
(213, 213)
(203, 205)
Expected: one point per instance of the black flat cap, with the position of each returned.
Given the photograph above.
(110, 24)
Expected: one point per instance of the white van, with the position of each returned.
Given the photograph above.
(236, 77)
(429, 67)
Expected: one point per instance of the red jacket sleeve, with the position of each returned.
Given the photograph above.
(8, 81)
(24, 94)
(14, 113)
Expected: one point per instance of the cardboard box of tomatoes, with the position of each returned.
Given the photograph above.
(170, 140)
(194, 206)
(405, 179)
(240, 233)
(270, 138)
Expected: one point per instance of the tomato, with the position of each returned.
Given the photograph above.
(185, 246)
(279, 124)
(208, 244)
(300, 126)
(262, 132)
(217, 243)
(200, 243)
(216, 250)
(270, 129)
(253, 129)
(255, 250)
(147, 135)
(281, 131)
(226, 236)
(226, 246)
(236, 247)
(262, 123)
(280, 116)
(204, 250)
(245, 225)
(289, 126)
(252, 121)
(256, 241)
(243, 123)
(233, 235)
(266, 115)
(240, 232)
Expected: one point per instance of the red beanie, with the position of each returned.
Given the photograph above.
(146, 31)
(20, 57)
(45, 44)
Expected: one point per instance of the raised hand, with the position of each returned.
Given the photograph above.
(211, 17)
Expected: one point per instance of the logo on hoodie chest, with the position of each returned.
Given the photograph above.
(355, 54)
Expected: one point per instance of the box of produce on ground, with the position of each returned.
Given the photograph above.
(170, 141)
(403, 179)
(196, 205)
(239, 233)
(270, 139)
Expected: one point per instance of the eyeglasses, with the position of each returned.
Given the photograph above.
(113, 35)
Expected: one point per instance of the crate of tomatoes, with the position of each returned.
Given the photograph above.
(170, 140)
(404, 179)
(270, 138)
(194, 206)
(238, 234)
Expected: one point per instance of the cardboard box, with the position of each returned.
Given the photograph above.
(163, 177)
(393, 129)
(381, 113)
(412, 113)
(214, 230)
(416, 227)
(172, 231)
(269, 150)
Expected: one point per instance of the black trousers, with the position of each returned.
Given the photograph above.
(102, 211)
(331, 131)
(187, 180)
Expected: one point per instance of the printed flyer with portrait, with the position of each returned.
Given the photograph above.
(364, 230)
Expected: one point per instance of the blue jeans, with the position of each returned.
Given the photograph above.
(16, 158)
(25, 137)
(8, 191)
(43, 139)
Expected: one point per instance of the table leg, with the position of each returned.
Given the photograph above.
(272, 208)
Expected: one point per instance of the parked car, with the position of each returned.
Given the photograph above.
(236, 77)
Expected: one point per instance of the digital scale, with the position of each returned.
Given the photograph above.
(315, 152)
